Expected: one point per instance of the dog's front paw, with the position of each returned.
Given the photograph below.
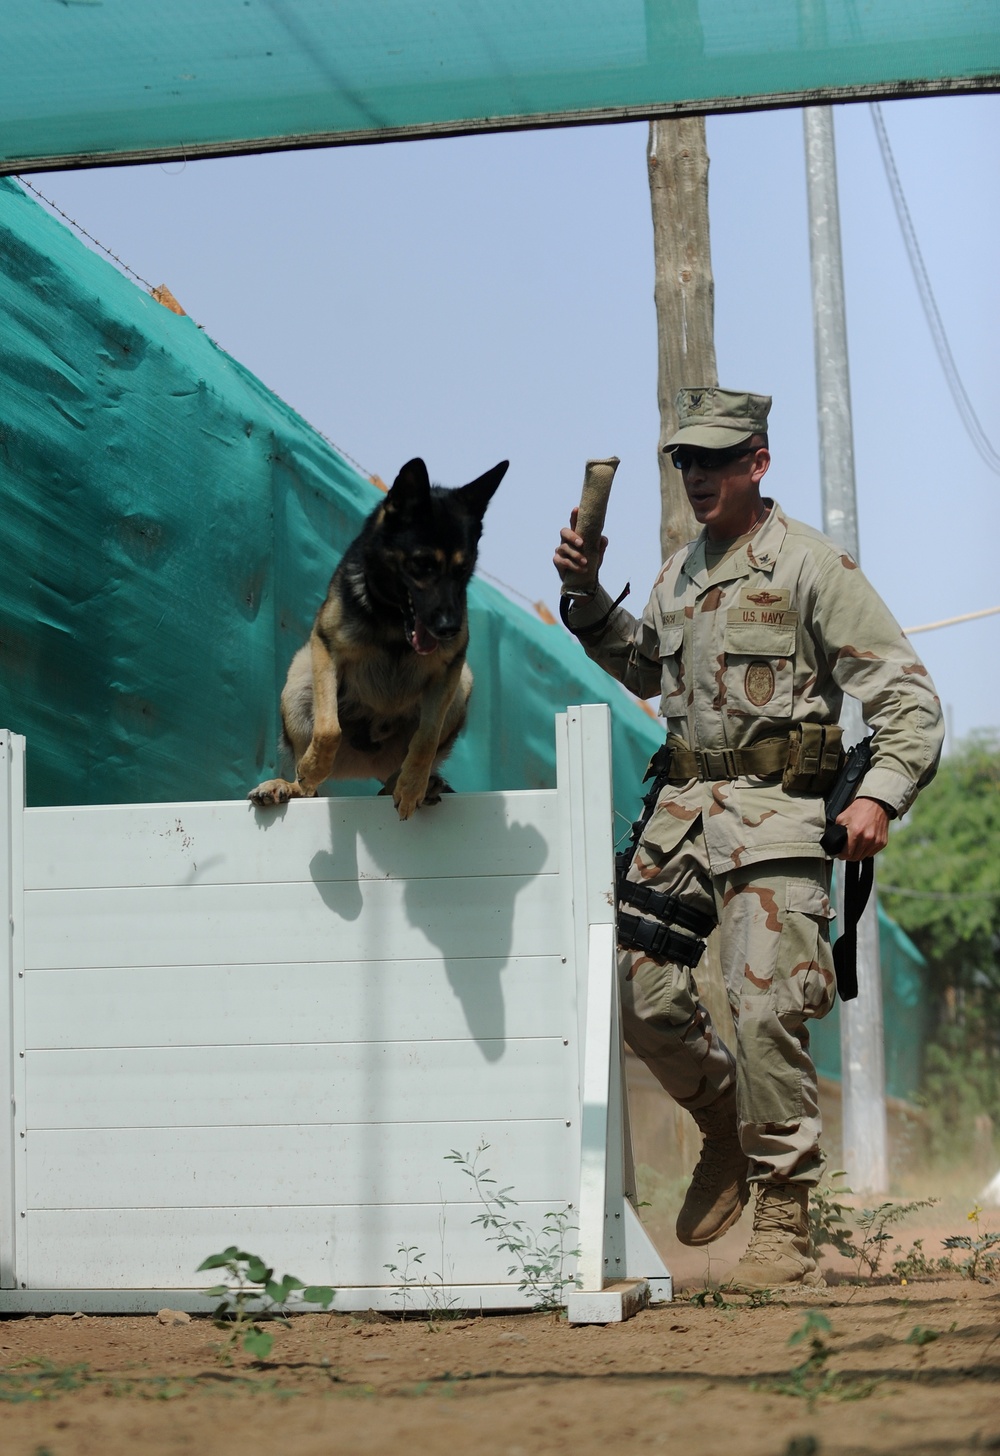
(272, 792)
(409, 793)
(436, 786)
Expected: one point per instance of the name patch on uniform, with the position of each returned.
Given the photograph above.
(765, 606)
(673, 619)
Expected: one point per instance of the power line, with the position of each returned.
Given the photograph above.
(968, 415)
(952, 621)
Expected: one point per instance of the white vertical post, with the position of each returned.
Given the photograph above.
(591, 846)
(594, 1119)
(11, 966)
(861, 1043)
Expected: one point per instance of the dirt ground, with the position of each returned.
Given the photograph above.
(906, 1368)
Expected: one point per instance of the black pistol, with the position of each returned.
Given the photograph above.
(857, 762)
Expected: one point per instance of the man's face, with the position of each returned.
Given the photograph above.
(723, 486)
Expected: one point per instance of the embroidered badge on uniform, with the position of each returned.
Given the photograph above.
(759, 683)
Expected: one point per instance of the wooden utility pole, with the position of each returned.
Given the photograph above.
(684, 292)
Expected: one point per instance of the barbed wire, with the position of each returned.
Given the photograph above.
(78, 227)
(153, 289)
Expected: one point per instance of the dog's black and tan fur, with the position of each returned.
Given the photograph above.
(382, 686)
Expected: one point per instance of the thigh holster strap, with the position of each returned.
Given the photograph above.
(668, 908)
(658, 941)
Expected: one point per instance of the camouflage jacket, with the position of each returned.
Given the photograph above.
(782, 630)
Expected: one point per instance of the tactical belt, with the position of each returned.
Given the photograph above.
(764, 760)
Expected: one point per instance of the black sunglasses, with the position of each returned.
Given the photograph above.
(684, 456)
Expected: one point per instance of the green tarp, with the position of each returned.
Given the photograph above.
(905, 1013)
(88, 81)
(170, 528)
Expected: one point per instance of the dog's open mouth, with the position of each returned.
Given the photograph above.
(421, 639)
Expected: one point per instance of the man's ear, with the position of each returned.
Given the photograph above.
(476, 496)
(409, 491)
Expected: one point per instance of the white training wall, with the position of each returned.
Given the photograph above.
(220, 1024)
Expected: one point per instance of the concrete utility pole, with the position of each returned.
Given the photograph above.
(862, 1053)
(684, 292)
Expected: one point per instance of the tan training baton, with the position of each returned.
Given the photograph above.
(597, 478)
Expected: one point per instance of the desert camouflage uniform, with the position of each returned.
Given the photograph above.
(771, 637)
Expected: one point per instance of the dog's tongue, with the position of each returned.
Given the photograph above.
(421, 640)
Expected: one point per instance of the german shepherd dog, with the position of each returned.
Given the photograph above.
(381, 688)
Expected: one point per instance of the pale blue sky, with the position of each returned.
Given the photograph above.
(487, 297)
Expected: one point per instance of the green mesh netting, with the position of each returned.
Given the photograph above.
(98, 79)
(905, 1011)
(171, 527)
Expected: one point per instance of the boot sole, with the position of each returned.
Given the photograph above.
(812, 1280)
(724, 1228)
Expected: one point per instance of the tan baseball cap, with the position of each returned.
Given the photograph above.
(715, 419)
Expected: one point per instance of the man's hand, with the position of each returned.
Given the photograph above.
(867, 825)
(569, 559)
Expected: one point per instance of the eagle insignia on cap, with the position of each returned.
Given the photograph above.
(696, 399)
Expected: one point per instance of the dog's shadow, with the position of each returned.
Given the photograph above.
(459, 889)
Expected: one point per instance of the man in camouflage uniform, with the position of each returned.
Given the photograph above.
(752, 634)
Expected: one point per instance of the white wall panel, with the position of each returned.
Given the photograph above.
(343, 1246)
(204, 1167)
(118, 845)
(356, 1082)
(246, 924)
(490, 998)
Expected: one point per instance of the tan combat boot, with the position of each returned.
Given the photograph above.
(719, 1191)
(780, 1250)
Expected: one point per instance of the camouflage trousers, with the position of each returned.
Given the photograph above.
(777, 963)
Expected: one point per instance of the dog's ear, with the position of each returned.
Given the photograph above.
(410, 491)
(476, 496)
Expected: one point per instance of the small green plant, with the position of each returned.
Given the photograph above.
(539, 1258)
(874, 1223)
(812, 1378)
(39, 1379)
(253, 1294)
(982, 1261)
(915, 1264)
(922, 1335)
(859, 1235)
(702, 1297)
(408, 1278)
(829, 1218)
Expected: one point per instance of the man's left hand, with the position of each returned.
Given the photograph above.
(867, 825)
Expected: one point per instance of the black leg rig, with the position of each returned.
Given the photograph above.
(680, 931)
